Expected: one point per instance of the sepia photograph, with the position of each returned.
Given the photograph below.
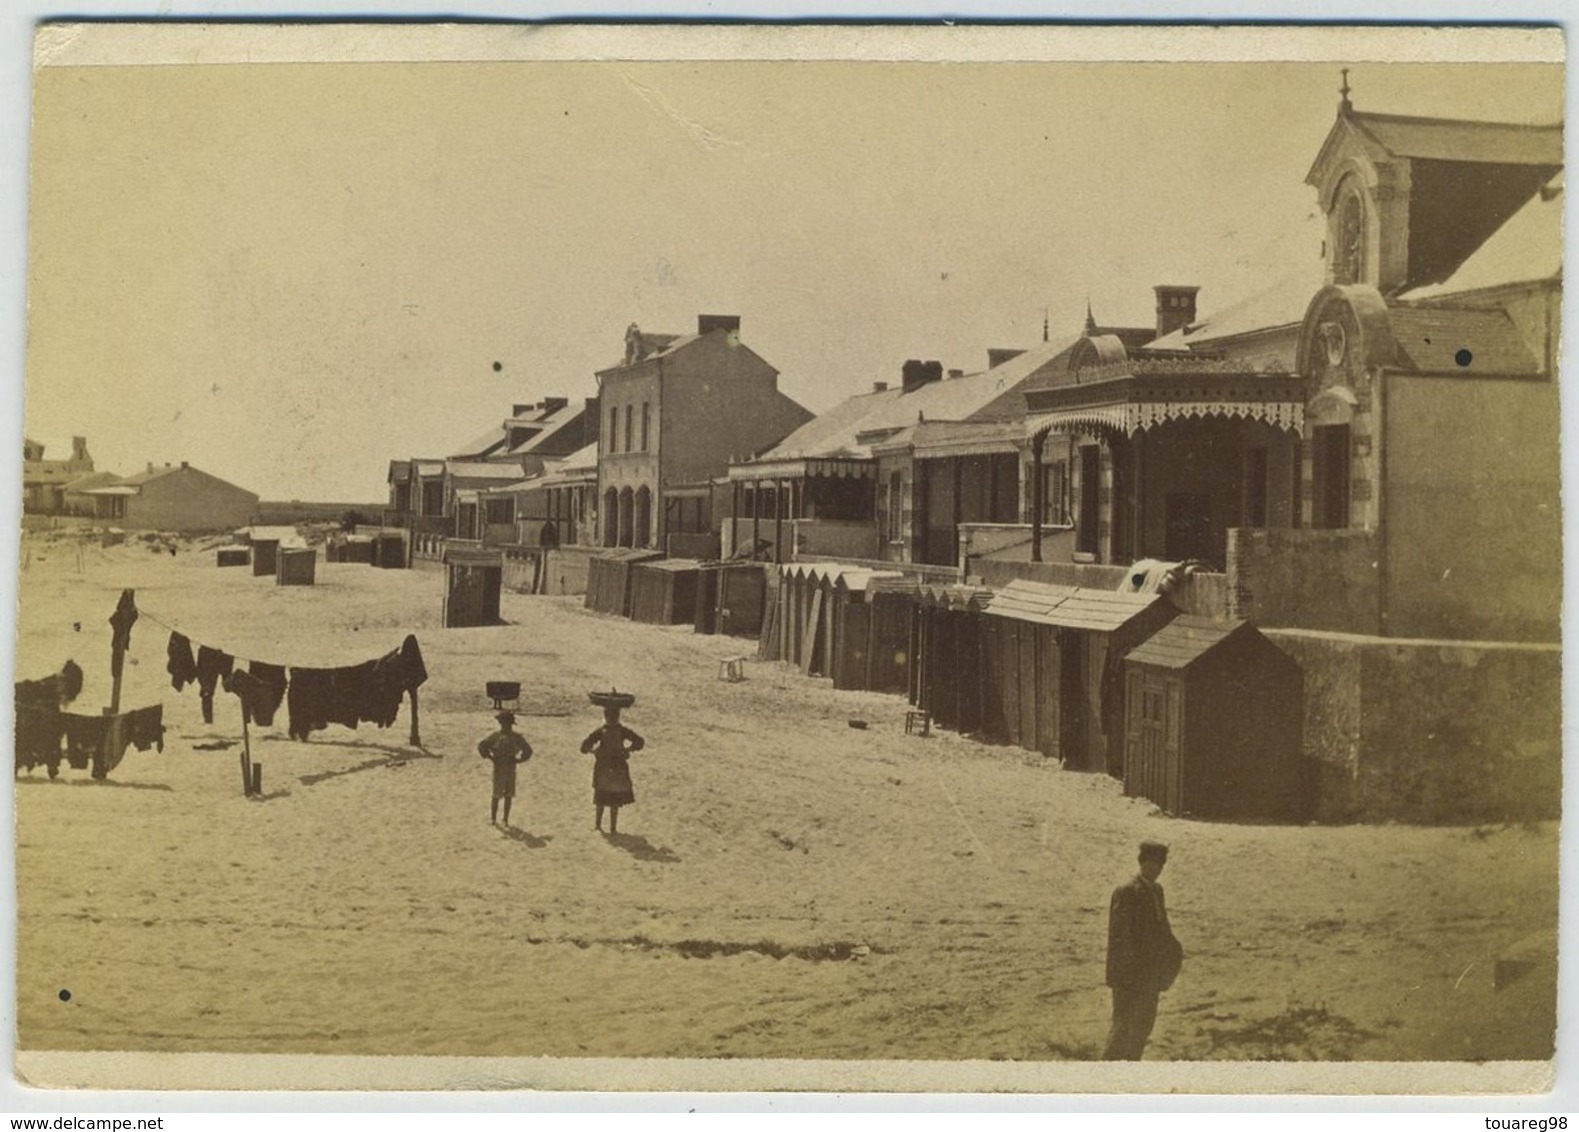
(939, 559)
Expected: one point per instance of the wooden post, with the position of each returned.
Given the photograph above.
(257, 780)
(778, 520)
(246, 757)
(1038, 490)
(416, 735)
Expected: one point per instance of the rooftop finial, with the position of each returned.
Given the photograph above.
(1345, 106)
(1045, 313)
(1091, 322)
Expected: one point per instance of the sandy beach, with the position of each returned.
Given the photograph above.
(786, 886)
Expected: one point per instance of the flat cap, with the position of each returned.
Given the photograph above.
(1149, 848)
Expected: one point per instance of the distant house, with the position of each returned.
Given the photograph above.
(173, 498)
(45, 473)
(674, 413)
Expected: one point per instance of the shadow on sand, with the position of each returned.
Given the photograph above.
(96, 782)
(642, 849)
(525, 838)
(397, 756)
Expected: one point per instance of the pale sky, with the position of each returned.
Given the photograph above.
(290, 274)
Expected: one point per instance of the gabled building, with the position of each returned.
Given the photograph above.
(893, 473)
(1431, 431)
(174, 498)
(674, 413)
(46, 470)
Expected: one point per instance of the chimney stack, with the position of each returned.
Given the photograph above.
(914, 374)
(955, 374)
(183, 464)
(707, 323)
(879, 387)
(1175, 308)
(554, 404)
(150, 465)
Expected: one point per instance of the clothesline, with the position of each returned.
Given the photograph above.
(241, 655)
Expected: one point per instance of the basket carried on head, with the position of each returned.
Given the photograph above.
(503, 691)
(612, 698)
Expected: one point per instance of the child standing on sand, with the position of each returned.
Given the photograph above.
(506, 750)
(611, 746)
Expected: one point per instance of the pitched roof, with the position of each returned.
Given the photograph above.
(1431, 339)
(1071, 607)
(1528, 247)
(1454, 139)
(959, 438)
(139, 478)
(473, 470)
(1282, 303)
(1184, 640)
(850, 427)
(486, 444)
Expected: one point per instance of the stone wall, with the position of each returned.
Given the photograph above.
(1429, 731)
(1303, 579)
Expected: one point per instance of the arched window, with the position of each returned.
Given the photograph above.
(1348, 254)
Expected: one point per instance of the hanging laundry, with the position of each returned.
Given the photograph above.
(394, 674)
(40, 726)
(182, 668)
(211, 665)
(320, 696)
(143, 728)
(260, 692)
(121, 621)
(84, 738)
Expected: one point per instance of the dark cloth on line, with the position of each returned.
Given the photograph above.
(121, 622)
(143, 728)
(611, 746)
(211, 666)
(84, 738)
(182, 668)
(40, 726)
(318, 697)
(260, 688)
(394, 674)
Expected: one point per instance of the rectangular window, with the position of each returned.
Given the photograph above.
(1090, 511)
(614, 430)
(646, 424)
(1255, 493)
(896, 504)
(1297, 476)
(1055, 493)
(1331, 476)
(629, 417)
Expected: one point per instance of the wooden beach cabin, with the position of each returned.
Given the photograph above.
(1213, 721)
(1052, 665)
(473, 580)
(663, 591)
(949, 642)
(297, 566)
(609, 579)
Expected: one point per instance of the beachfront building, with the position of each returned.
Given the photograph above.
(674, 413)
(173, 498)
(47, 471)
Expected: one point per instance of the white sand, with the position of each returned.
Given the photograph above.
(368, 906)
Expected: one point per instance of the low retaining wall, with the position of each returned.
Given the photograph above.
(1429, 731)
(1203, 594)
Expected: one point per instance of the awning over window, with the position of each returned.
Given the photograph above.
(1136, 417)
(804, 469)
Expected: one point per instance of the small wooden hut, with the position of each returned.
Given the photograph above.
(233, 556)
(663, 591)
(389, 551)
(949, 642)
(473, 580)
(1053, 668)
(298, 566)
(1213, 721)
(742, 597)
(265, 556)
(609, 579)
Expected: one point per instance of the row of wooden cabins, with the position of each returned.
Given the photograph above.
(1202, 717)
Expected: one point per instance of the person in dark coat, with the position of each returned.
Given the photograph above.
(611, 746)
(506, 750)
(1143, 957)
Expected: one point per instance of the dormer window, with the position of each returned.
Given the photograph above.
(1348, 263)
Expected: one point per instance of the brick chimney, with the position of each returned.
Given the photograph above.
(554, 404)
(1175, 308)
(707, 323)
(955, 374)
(79, 447)
(914, 374)
(879, 387)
